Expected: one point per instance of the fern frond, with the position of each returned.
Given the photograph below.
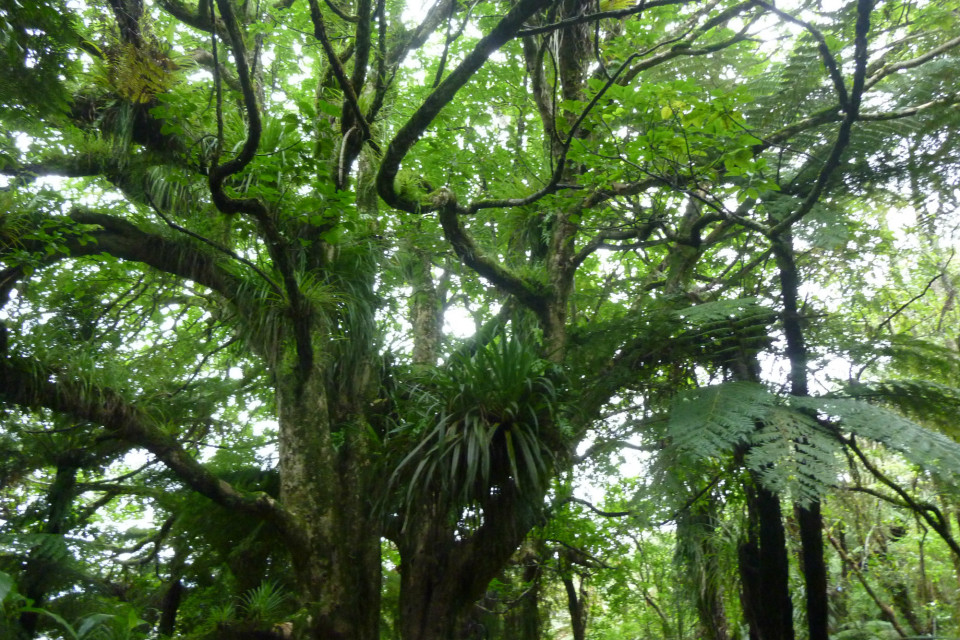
(930, 403)
(713, 421)
(923, 447)
(910, 355)
(793, 454)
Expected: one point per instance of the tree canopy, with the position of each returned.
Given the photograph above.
(542, 318)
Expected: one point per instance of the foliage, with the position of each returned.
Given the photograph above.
(338, 319)
(485, 417)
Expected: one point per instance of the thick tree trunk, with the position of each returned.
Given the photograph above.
(327, 488)
(443, 574)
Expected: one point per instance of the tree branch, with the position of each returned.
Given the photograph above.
(864, 7)
(894, 67)
(829, 62)
(471, 255)
(33, 385)
(887, 611)
(410, 132)
(938, 523)
(600, 15)
(233, 254)
(220, 172)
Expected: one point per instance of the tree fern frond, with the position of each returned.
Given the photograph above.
(714, 420)
(928, 402)
(925, 448)
(910, 355)
(792, 453)
(49, 547)
(739, 309)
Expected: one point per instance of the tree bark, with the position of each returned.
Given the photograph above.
(444, 571)
(764, 568)
(327, 489)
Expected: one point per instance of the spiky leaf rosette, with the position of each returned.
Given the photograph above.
(483, 423)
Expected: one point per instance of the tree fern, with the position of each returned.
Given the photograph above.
(923, 447)
(713, 421)
(930, 403)
(793, 454)
(792, 443)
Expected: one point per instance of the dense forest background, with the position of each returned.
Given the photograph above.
(523, 319)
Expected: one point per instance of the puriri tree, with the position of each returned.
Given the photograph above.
(235, 225)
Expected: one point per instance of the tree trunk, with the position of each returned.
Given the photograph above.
(576, 606)
(41, 571)
(327, 488)
(814, 569)
(764, 568)
(809, 516)
(169, 607)
(444, 571)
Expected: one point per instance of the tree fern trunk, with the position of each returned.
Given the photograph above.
(809, 517)
(764, 568)
(814, 569)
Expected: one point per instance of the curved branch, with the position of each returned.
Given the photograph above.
(124, 240)
(196, 236)
(340, 13)
(640, 234)
(554, 183)
(415, 38)
(852, 111)
(930, 513)
(829, 62)
(200, 19)
(410, 132)
(220, 172)
(684, 48)
(299, 306)
(465, 248)
(349, 86)
(622, 78)
(894, 67)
